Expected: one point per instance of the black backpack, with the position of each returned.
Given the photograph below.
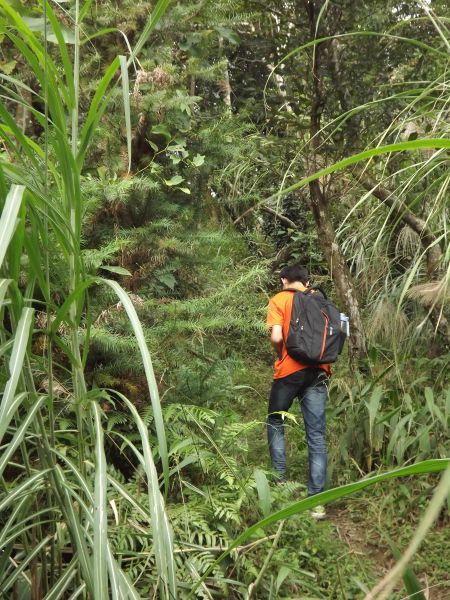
(317, 330)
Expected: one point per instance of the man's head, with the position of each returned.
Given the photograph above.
(293, 274)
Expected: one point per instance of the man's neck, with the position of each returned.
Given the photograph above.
(296, 285)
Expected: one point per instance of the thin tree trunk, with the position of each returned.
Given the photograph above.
(23, 112)
(192, 86)
(320, 206)
(281, 87)
(225, 83)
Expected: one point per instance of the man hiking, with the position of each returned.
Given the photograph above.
(293, 379)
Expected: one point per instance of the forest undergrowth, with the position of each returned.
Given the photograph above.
(160, 162)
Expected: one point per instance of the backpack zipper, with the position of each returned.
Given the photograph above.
(325, 316)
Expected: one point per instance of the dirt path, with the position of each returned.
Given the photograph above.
(374, 554)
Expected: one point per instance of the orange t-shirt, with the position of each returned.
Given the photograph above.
(279, 313)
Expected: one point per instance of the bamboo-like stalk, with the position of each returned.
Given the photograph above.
(48, 350)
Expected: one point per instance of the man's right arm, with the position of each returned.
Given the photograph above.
(275, 317)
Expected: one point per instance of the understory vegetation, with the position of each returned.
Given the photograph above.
(159, 163)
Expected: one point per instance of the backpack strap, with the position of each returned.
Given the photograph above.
(317, 289)
(309, 290)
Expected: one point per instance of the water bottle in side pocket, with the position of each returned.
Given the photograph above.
(345, 324)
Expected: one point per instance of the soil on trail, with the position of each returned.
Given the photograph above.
(375, 556)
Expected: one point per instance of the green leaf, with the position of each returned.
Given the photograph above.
(198, 160)
(67, 35)
(10, 402)
(9, 218)
(121, 586)
(4, 284)
(116, 269)
(19, 569)
(185, 190)
(372, 408)
(28, 486)
(8, 67)
(17, 439)
(77, 529)
(228, 34)
(38, 24)
(161, 130)
(263, 489)
(34, 23)
(149, 372)
(167, 279)
(175, 180)
(63, 582)
(84, 9)
(96, 110)
(282, 574)
(74, 296)
(100, 521)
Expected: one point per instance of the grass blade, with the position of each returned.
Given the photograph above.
(28, 486)
(4, 284)
(148, 367)
(262, 486)
(96, 110)
(78, 533)
(19, 434)
(65, 59)
(126, 495)
(63, 582)
(126, 104)
(23, 565)
(121, 586)
(9, 403)
(100, 520)
(9, 218)
(158, 12)
(162, 534)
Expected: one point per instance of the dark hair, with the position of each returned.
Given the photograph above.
(295, 273)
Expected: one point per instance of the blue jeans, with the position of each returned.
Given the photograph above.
(310, 386)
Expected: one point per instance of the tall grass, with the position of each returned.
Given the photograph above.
(53, 499)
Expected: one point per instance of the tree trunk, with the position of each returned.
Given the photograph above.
(225, 83)
(320, 206)
(23, 112)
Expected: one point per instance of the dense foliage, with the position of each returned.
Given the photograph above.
(159, 164)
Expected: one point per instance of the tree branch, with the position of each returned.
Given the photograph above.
(405, 214)
(261, 206)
